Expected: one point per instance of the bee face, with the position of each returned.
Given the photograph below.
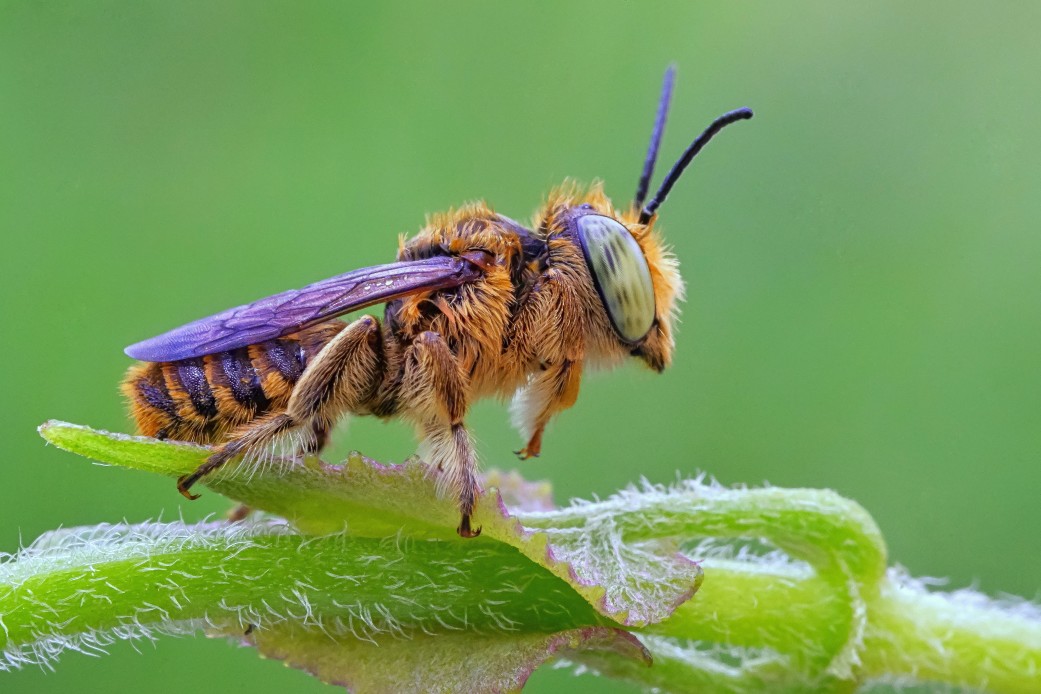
(633, 279)
(620, 273)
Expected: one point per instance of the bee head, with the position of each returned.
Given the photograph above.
(635, 274)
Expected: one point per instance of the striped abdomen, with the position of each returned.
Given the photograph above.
(202, 399)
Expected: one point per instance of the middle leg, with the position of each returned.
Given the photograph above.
(434, 391)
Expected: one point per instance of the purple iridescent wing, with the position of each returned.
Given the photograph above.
(295, 309)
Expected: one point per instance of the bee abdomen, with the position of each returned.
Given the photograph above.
(235, 372)
(202, 399)
(191, 377)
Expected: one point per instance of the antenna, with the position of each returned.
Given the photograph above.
(677, 169)
(656, 134)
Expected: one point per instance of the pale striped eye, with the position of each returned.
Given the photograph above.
(620, 273)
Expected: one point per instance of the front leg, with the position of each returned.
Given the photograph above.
(434, 392)
(339, 379)
(549, 392)
(549, 332)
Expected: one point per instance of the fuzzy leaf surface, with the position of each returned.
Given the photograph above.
(633, 584)
(377, 614)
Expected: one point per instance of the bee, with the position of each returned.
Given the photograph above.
(477, 305)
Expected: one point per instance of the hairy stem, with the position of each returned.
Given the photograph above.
(786, 609)
(960, 639)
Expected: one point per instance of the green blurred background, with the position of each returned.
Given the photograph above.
(862, 259)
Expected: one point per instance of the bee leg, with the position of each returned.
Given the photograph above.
(451, 446)
(312, 446)
(255, 434)
(559, 345)
(435, 393)
(340, 378)
(550, 392)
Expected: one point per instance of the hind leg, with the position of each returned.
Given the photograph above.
(312, 446)
(341, 379)
(434, 391)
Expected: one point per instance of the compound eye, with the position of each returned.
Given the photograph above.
(621, 275)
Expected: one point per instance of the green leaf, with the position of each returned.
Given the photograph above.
(367, 583)
(635, 584)
(82, 589)
(424, 605)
